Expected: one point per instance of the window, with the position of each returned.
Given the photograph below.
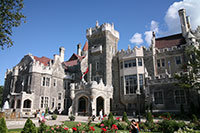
(180, 97)
(130, 63)
(18, 103)
(29, 80)
(45, 81)
(12, 104)
(158, 63)
(53, 103)
(158, 97)
(97, 78)
(59, 106)
(42, 102)
(97, 65)
(141, 81)
(54, 82)
(121, 65)
(65, 84)
(178, 60)
(46, 101)
(163, 62)
(139, 61)
(131, 84)
(59, 96)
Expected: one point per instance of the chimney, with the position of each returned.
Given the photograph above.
(62, 54)
(188, 22)
(184, 25)
(79, 49)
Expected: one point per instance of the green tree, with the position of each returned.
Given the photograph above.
(29, 127)
(10, 16)
(189, 79)
(3, 127)
(1, 95)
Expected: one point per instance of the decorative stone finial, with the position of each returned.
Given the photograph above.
(97, 23)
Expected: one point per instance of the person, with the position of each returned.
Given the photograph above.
(101, 114)
(43, 115)
(134, 127)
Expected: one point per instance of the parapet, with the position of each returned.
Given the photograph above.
(103, 27)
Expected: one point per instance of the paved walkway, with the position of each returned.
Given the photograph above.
(19, 123)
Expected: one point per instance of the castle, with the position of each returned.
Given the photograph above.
(99, 76)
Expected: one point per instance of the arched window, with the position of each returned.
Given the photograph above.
(27, 103)
(18, 103)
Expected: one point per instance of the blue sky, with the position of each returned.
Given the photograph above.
(54, 23)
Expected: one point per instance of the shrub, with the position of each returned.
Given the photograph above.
(194, 118)
(42, 127)
(72, 117)
(29, 127)
(54, 117)
(149, 117)
(125, 118)
(3, 127)
(110, 117)
(169, 126)
(122, 125)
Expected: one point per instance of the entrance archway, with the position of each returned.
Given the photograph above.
(82, 106)
(99, 104)
(27, 104)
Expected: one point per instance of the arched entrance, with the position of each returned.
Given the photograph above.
(27, 103)
(99, 104)
(82, 106)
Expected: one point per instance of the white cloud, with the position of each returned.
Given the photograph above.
(172, 18)
(148, 34)
(137, 39)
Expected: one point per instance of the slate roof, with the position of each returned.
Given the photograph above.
(169, 41)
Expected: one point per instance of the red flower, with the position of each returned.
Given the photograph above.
(103, 129)
(104, 115)
(74, 129)
(118, 118)
(102, 125)
(92, 129)
(66, 128)
(57, 127)
(114, 127)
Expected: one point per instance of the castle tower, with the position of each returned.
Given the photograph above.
(102, 46)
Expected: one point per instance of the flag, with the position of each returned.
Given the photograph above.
(87, 70)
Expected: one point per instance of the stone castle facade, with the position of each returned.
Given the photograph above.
(101, 77)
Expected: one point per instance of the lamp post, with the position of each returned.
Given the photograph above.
(138, 95)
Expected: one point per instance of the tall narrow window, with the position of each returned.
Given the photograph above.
(139, 61)
(59, 96)
(59, 106)
(54, 82)
(46, 101)
(178, 60)
(121, 64)
(158, 63)
(53, 103)
(158, 97)
(163, 62)
(47, 81)
(43, 81)
(141, 80)
(97, 65)
(29, 80)
(42, 102)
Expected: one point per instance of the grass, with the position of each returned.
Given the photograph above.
(15, 130)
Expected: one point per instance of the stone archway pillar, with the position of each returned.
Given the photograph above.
(107, 106)
(94, 110)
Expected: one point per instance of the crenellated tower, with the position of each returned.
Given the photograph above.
(102, 46)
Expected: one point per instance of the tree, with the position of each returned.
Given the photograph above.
(1, 95)
(29, 127)
(3, 127)
(10, 16)
(189, 80)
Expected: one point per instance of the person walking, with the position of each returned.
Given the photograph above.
(101, 114)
